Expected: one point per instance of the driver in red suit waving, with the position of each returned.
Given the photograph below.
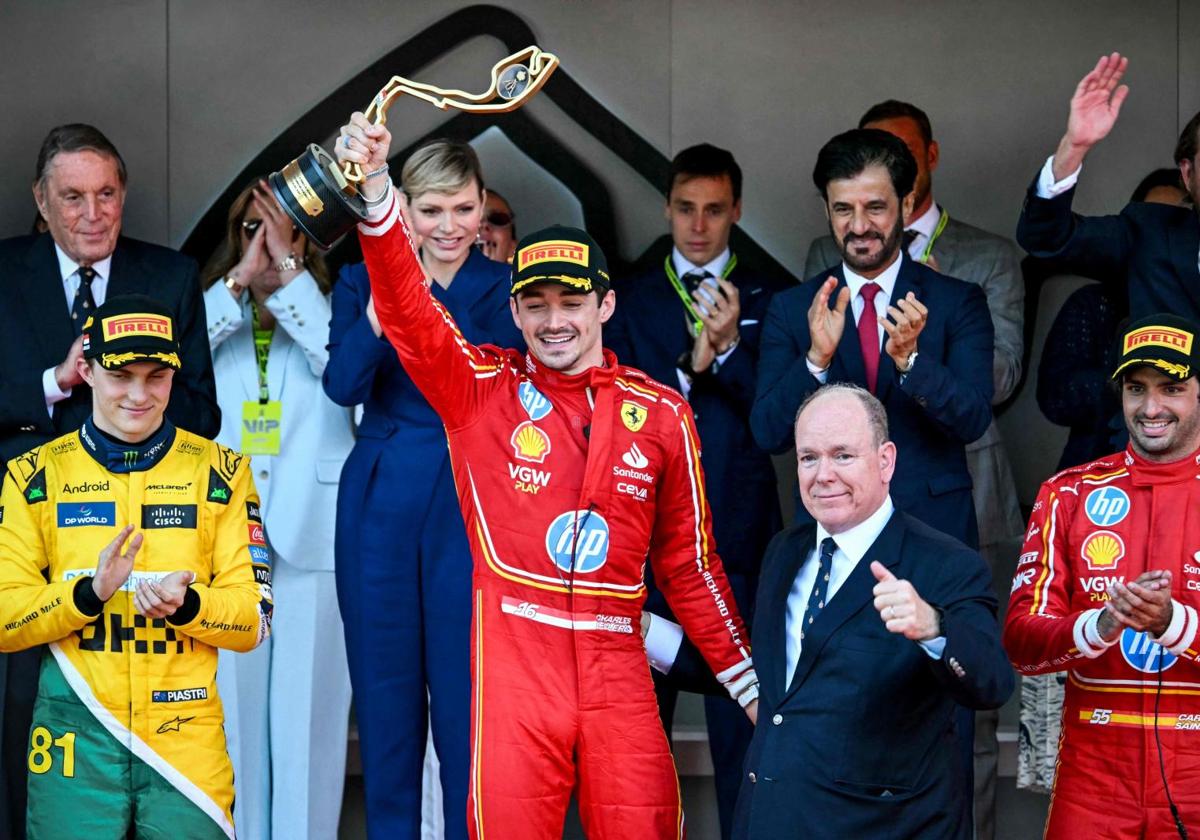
(572, 470)
(1108, 588)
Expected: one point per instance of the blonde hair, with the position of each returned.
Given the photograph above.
(442, 166)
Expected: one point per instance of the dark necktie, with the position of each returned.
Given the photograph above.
(910, 236)
(83, 304)
(693, 279)
(816, 600)
(868, 334)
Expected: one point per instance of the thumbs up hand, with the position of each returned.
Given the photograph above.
(901, 607)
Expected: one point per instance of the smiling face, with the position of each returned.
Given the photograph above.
(842, 470)
(447, 225)
(866, 218)
(1162, 414)
(128, 403)
(561, 326)
(702, 211)
(81, 198)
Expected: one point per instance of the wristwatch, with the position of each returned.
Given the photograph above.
(289, 263)
(908, 364)
(234, 284)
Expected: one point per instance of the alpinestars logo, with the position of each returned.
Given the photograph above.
(635, 458)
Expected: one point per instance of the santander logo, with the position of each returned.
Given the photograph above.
(635, 458)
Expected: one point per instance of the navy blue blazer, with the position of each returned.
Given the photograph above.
(648, 332)
(36, 333)
(943, 404)
(363, 367)
(1149, 249)
(861, 743)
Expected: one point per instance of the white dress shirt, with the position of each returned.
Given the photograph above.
(69, 272)
(852, 546)
(716, 268)
(883, 299)
(923, 227)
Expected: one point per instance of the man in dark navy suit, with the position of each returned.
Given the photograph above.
(693, 323)
(52, 281)
(919, 341)
(1150, 252)
(871, 627)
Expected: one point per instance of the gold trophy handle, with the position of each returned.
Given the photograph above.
(514, 79)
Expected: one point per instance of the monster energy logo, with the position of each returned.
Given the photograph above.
(131, 457)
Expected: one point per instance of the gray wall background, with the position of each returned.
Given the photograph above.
(190, 91)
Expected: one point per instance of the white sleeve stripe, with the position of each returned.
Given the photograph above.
(385, 224)
(1181, 632)
(1087, 637)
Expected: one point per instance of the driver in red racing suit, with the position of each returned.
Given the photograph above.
(1107, 588)
(571, 470)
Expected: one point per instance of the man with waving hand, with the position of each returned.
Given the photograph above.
(132, 549)
(1150, 252)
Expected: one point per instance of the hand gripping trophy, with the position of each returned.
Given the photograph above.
(322, 198)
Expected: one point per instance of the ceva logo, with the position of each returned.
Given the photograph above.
(578, 537)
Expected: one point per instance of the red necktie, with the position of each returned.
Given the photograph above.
(868, 334)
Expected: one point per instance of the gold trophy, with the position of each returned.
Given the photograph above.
(322, 197)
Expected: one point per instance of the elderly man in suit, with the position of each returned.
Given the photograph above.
(871, 626)
(52, 282)
(694, 322)
(918, 340)
(1151, 252)
(947, 244)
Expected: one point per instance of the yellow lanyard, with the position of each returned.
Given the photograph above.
(937, 231)
(262, 350)
(681, 290)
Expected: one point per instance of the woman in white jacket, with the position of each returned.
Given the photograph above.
(286, 704)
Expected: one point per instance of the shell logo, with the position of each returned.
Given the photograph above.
(1102, 549)
(530, 443)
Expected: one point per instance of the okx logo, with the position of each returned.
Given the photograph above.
(578, 539)
(1143, 654)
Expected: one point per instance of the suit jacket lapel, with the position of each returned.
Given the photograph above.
(46, 303)
(1183, 244)
(907, 281)
(126, 277)
(770, 635)
(853, 596)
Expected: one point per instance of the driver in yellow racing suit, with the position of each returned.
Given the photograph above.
(133, 549)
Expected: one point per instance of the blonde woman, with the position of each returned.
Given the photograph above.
(403, 565)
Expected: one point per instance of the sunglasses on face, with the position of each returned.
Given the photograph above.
(250, 227)
(498, 218)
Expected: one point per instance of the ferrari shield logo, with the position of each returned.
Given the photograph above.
(633, 416)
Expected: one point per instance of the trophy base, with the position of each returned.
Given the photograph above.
(312, 191)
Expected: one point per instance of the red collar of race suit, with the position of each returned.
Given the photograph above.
(594, 378)
(1143, 472)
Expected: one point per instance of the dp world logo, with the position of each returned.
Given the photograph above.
(580, 536)
(1143, 654)
(1106, 506)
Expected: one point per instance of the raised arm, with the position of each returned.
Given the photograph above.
(454, 375)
